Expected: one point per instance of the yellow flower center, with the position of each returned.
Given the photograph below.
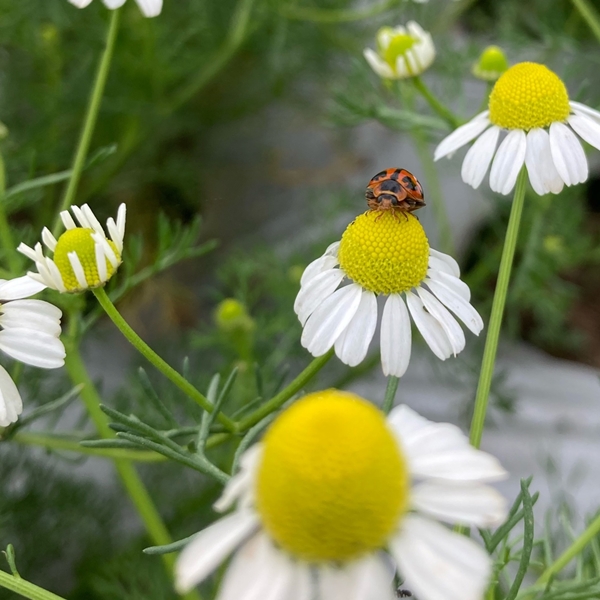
(398, 45)
(80, 240)
(385, 252)
(528, 95)
(332, 484)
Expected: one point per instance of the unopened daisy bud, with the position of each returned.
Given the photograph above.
(83, 256)
(231, 315)
(401, 52)
(149, 8)
(491, 64)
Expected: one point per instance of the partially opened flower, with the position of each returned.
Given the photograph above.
(401, 51)
(30, 334)
(387, 254)
(83, 256)
(149, 8)
(336, 498)
(531, 104)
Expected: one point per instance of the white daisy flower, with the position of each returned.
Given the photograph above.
(83, 256)
(382, 253)
(149, 8)
(401, 51)
(336, 498)
(30, 331)
(532, 105)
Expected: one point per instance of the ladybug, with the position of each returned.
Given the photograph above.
(395, 190)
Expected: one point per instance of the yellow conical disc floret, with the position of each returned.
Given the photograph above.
(528, 95)
(80, 240)
(332, 483)
(384, 252)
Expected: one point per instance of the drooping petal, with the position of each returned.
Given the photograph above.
(586, 128)
(20, 287)
(470, 504)
(478, 158)
(80, 3)
(352, 345)
(239, 488)
(439, 564)
(32, 347)
(323, 263)
(451, 265)
(396, 337)
(581, 109)
(463, 135)
(330, 319)
(11, 404)
(316, 291)
(568, 155)
(378, 64)
(31, 314)
(543, 175)
(454, 283)
(211, 547)
(113, 4)
(150, 8)
(508, 162)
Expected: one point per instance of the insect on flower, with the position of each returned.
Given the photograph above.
(395, 190)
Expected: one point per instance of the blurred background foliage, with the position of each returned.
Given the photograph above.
(196, 104)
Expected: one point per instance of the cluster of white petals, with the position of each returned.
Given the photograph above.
(149, 8)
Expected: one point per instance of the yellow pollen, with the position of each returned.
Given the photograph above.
(528, 95)
(332, 484)
(384, 252)
(80, 240)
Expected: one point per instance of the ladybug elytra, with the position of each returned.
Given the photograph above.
(395, 190)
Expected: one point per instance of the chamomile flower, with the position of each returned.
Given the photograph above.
(387, 254)
(30, 331)
(149, 8)
(401, 51)
(337, 497)
(83, 256)
(531, 104)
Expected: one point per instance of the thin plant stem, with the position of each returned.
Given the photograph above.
(167, 370)
(24, 588)
(6, 237)
(444, 112)
(589, 15)
(130, 479)
(591, 531)
(293, 388)
(493, 334)
(91, 117)
(390, 394)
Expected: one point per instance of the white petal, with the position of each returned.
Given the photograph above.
(302, 586)
(365, 579)
(112, 4)
(581, 109)
(449, 324)
(454, 283)
(323, 263)
(429, 328)
(121, 217)
(31, 314)
(586, 128)
(77, 269)
(396, 337)
(543, 175)
(439, 564)
(33, 347)
(569, 157)
(150, 8)
(330, 319)
(441, 450)
(478, 158)
(378, 64)
(316, 290)
(258, 572)
(240, 486)
(470, 504)
(27, 251)
(80, 3)
(463, 135)
(80, 215)
(91, 217)
(100, 262)
(21, 287)
(48, 239)
(508, 162)
(451, 265)
(456, 303)
(352, 345)
(67, 220)
(11, 404)
(211, 547)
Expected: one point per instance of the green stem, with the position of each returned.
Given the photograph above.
(167, 370)
(390, 394)
(435, 104)
(589, 16)
(130, 479)
(293, 388)
(25, 589)
(6, 238)
(90, 118)
(493, 335)
(591, 531)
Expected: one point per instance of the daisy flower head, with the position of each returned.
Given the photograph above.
(83, 256)
(30, 331)
(531, 105)
(337, 497)
(149, 8)
(401, 51)
(491, 64)
(383, 253)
